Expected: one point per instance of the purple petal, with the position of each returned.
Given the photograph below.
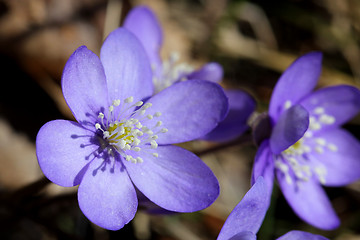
(107, 198)
(248, 214)
(212, 72)
(291, 126)
(241, 106)
(340, 157)
(84, 85)
(339, 102)
(309, 201)
(244, 236)
(177, 180)
(142, 22)
(300, 235)
(189, 110)
(63, 149)
(264, 166)
(296, 82)
(126, 65)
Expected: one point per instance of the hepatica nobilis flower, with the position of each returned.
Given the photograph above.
(143, 23)
(306, 147)
(245, 220)
(121, 137)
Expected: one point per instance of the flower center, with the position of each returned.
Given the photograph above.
(130, 133)
(170, 72)
(297, 162)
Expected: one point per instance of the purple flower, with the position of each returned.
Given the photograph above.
(121, 140)
(306, 147)
(143, 23)
(245, 220)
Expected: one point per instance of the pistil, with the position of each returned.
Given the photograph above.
(127, 134)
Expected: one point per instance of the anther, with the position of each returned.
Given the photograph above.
(320, 141)
(116, 102)
(158, 124)
(138, 125)
(137, 141)
(154, 137)
(287, 104)
(319, 110)
(154, 144)
(327, 119)
(139, 103)
(106, 134)
(147, 105)
(319, 149)
(129, 99)
(332, 147)
(122, 144)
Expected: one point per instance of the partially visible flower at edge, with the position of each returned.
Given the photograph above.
(143, 23)
(121, 140)
(306, 147)
(246, 218)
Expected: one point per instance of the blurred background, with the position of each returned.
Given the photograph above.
(254, 41)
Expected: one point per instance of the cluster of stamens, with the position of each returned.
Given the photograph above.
(296, 157)
(170, 72)
(127, 133)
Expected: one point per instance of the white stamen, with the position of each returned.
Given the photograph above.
(154, 144)
(319, 149)
(287, 104)
(332, 147)
(122, 144)
(320, 172)
(319, 110)
(139, 103)
(116, 103)
(154, 137)
(146, 106)
(171, 72)
(137, 141)
(327, 119)
(320, 141)
(306, 148)
(129, 99)
(126, 133)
